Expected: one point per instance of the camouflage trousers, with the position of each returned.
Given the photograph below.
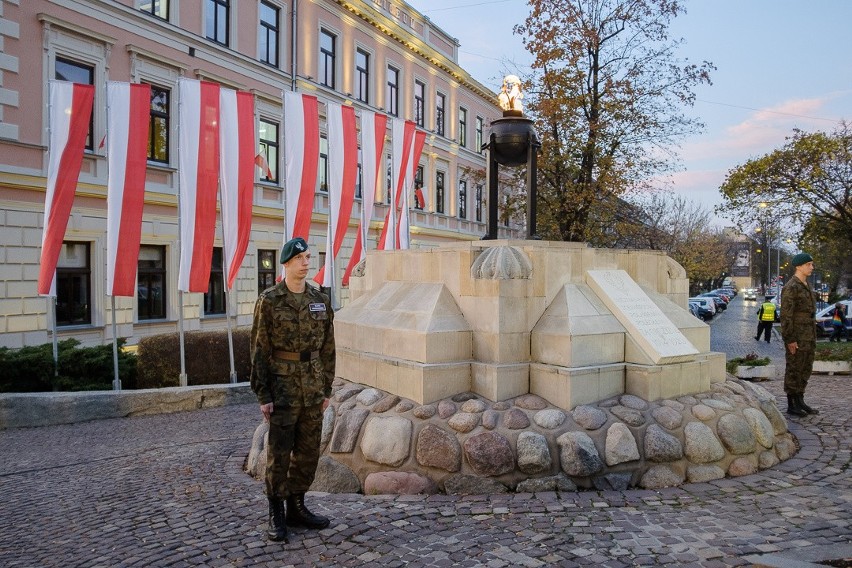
(293, 450)
(799, 368)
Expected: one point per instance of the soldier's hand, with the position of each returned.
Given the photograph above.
(266, 410)
(793, 347)
(325, 403)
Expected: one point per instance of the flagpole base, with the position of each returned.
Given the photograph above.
(183, 380)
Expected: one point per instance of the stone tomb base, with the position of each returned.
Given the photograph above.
(502, 319)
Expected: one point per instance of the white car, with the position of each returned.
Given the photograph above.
(823, 319)
(750, 294)
(705, 302)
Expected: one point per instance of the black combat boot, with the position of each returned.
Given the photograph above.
(800, 398)
(793, 406)
(277, 529)
(298, 514)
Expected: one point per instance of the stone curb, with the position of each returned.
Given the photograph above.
(29, 410)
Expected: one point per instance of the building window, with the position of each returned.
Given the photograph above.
(214, 298)
(268, 137)
(390, 179)
(506, 208)
(479, 203)
(462, 199)
(159, 8)
(362, 76)
(419, 201)
(439, 192)
(67, 70)
(151, 283)
(268, 34)
(440, 103)
(462, 127)
(158, 132)
(323, 164)
(419, 103)
(73, 285)
(218, 12)
(326, 58)
(359, 181)
(392, 94)
(479, 127)
(266, 269)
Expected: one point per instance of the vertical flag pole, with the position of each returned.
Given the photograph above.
(116, 384)
(52, 308)
(228, 306)
(183, 378)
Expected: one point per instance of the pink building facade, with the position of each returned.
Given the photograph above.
(379, 55)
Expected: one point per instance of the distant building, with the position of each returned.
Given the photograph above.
(380, 55)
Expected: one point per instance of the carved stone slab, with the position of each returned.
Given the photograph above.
(654, 333)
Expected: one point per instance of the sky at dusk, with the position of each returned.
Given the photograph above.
(781, 64)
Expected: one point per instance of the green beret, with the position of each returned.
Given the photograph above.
(802, 258)
(293, 247)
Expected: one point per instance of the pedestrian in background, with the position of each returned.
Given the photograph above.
(293, 357)
(798, 330)
(765, 318)
(838, 322)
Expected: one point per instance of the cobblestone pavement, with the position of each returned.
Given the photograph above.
(168, 490)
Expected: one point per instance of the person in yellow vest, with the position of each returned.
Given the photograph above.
(765, 318)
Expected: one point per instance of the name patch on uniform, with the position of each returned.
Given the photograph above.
(318, 307)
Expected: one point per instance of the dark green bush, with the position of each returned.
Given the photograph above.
(206, 354)
(31, 369)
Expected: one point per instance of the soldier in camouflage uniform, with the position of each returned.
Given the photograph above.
(292, 351)
(798, 329)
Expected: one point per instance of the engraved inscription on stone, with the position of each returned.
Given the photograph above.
(643, 319)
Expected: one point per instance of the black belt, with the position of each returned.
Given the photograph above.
(302, 356)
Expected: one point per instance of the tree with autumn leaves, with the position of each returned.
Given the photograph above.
(808, 184)
(607, 94)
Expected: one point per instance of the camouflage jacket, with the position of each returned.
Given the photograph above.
(797, 313)
(294, 323)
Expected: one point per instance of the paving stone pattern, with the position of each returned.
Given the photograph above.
(168, 490)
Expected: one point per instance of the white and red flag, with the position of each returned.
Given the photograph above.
(70, 113)
(128, 119)
(301, 151)
(199, 180)
(403, 139)
(373, 129)
(404, 212)
(238, 144)
(342, 176)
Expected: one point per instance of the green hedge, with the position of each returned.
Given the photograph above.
(206, 355)
(31, 369)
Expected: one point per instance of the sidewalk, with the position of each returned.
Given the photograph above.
(168, 490)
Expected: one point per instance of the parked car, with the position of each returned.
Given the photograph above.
(700, 311)
(721, 305)
(731, 292)
(706, 303)
(750, 294)
(823, 320)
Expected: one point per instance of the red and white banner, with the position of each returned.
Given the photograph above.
(403, 139)
(238, 145)
(403, 237)
(342, 176)
(128, 120)
(301, 151)
(199, 180)
(373, 129)
(70, 113)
